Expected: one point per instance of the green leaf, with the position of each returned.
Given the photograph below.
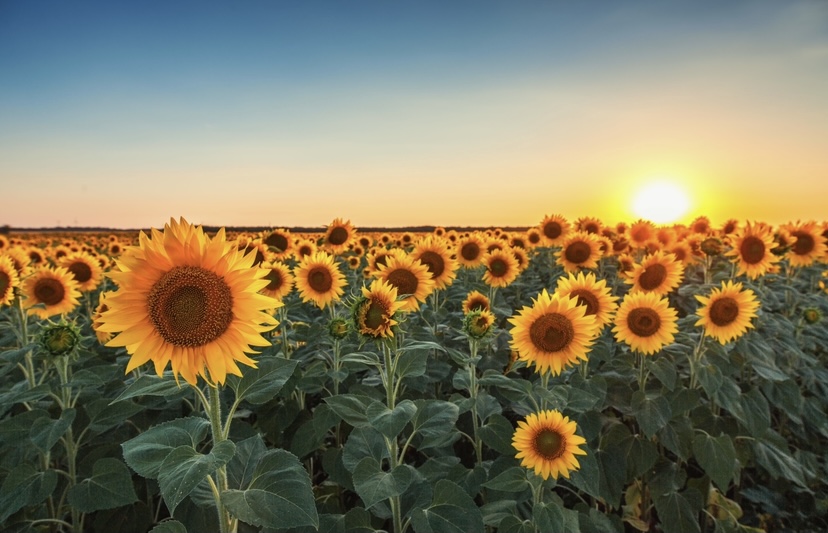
(677, 513)
(664, 370)
(362, 443)
(588, 477)
(548, 517)
(641, 455)
(240, 467)
(146, 452)
(711, 378)
(496, 511)
(613, 471)
(510, 480)
(22, 393)
(351, 408)
(278, 496)
(375, 485)
(45, 432)
(434, 420)
(184, 468)
(390, 423)
(717, 457)
(411, 364)
(169, 526)
(778, 462)
(755, 412)
(497, 434)
(109, 487)
(651, 412)
(151, 385)
(451, 511)
(103, 415)
(25, 486)
(18, 428)
(262, 384)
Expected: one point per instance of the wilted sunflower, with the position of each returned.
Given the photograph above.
(591, 293)
(658, 273)
(411, 279)
(318, 279)
(546, 443)
(554, 333)
(579, 250)
(8, 280)
(501, 268)
(374, 313)
(476, 301)
(433, 253)
(85, 269)
(726, 313)
(339, 234)
(752, 245)
(279, 280)
(190, 301)
(279, 242)
(53, 287)
(645, 322)
(808, 245)
(470, 250)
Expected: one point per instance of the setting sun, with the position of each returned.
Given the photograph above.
(661, 202)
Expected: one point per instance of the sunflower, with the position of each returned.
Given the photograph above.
(658, 273)
(533, 237)
(645, 321)
(730, 227)
(433, 253)
(189, 300)
(726, 313)
(641, 231)
(470, 250)
(682, 252)
(279, 242)
(279, 278)
(546, 442)
(522, 258)
(476, 301)
(589, 225)
(553, 229)
(501, 268)
(103, 336)
(808, 245)
(377, 257)
(115, 248)
(410, 277)
(55, 288)
(8, 280)
(4, 243)
(20, 259)
(339, 235)
(85, 269)
(374, 312)
(478, 324)
(752, 245)
(701, 225)
(303, 248)
(318, 279)
(554, 333)
(579, 250)
(36, 256)
(591, 293)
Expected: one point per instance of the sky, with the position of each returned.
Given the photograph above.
(461, 113)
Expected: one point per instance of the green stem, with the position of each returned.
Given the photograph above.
(473, 389)
(642, 372)
(695, 361)
(226, 523)
(392, 445)
(545, 384)
(24, 341)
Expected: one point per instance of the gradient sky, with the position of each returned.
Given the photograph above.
(124, 114)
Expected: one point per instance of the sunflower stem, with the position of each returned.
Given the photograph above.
(473, 389)
(393, 447)
(545, 385)
(24, 341)
(226, 523)
(695, 361)
(642, 376)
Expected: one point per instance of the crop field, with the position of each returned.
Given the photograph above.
(575, 376)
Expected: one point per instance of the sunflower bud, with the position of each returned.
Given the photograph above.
(478, 324)
(812, 315)
(59, 339)
(338, 328)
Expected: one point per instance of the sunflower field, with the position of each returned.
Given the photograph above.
(574, 376)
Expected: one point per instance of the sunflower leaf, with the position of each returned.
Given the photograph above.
(184, 468)
(45, 432)
(25, 486)
(146, 452)
(390, 422)
(651, 412)
(262, 384)
(451, 511)
(717, 456)
(109, 487)
(151, 385)
(375, 485)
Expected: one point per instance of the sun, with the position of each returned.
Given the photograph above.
(661, 202)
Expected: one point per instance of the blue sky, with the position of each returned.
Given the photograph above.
(397, 113)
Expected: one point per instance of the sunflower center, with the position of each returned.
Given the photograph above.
(724, 311)
(752, 250)
(274, 277)
(49, 291)
(190, 306)
(577, 252)
(470, 251)
(652, 277)
(498, 268)
(404, 280)
(81, 271)
(319, 279)
(587, 299)
(534, 238)
(804, 243)
(478, 304)
(5, 281)
(552, 332)
(338, 236)
(550, 444)
(434, 263)
(375, 315)
(643, 321)
(304, 250)
(552, 230)
(278, 241)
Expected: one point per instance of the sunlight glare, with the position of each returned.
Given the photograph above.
(661, 202)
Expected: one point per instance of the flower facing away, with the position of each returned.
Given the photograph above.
(374, 314)
(55, 288)
(554, 333)
(546, 443)
(190, 301)
(726, 313)
(645, 322)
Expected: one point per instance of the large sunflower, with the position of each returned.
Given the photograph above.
(470, 250)
(546, 442)
(752, 245)
(726, 313)
(645, 322)
(554, 230)
(554, 333)
(339, 235)
(318, 279)
(8, 280)
(501, 268)
(374, 313)
(433, 253)
(85, 269)
(591, 293)
(55, 288)
(279, 280)
(808, 245)
(410, 277)
(579, 250)
(190, 301)
(658, 273)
